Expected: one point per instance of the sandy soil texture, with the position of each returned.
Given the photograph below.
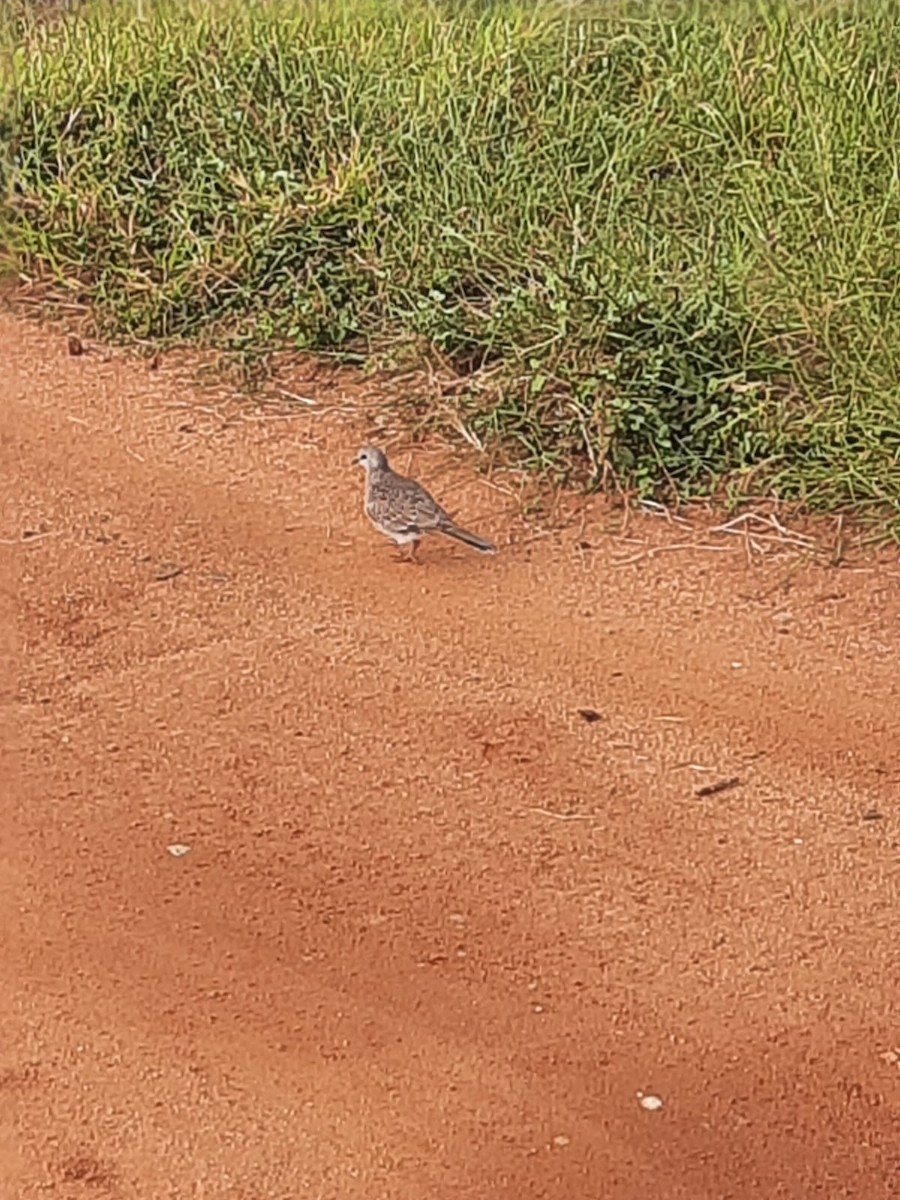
(316, 883)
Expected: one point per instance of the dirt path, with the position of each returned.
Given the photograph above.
(434, 932)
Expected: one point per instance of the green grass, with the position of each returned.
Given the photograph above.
(663, 241)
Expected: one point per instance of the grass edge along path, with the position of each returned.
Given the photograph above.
(659, 245)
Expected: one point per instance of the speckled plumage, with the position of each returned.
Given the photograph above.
(404, 511)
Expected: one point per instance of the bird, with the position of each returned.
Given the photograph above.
(404, 511)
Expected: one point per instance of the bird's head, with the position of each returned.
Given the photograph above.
(371, 459)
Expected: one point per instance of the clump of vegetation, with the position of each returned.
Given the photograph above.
(664, 242)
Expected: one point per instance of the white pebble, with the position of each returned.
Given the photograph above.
(178, 850)
(651, 1103)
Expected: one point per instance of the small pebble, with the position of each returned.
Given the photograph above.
(178, 850)
(561, 1140)
(651, 1103)
(590, 715)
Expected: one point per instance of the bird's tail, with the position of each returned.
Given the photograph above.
(469, 539)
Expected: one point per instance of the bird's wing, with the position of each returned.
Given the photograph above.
(416, 506)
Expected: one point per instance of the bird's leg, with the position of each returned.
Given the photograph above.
(410, 555)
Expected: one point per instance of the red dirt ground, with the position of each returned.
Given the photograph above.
(435, 933)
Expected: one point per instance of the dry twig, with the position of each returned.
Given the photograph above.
(654, 550)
